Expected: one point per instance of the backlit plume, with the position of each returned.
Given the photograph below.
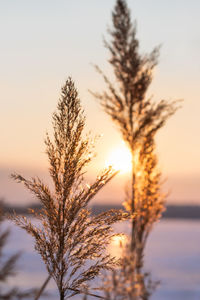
(71, 242)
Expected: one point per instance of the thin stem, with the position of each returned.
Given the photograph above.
(62, 295)
(133, 205)
(87, 293)
(42, 288)
(74, 290)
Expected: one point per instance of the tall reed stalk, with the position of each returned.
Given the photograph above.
(138, 118)
(71, 242)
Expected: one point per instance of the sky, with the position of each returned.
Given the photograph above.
(44, 42)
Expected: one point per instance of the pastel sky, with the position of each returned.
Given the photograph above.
(43, 42)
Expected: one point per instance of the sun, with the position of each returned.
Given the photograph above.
(120, 159)
(117, 245)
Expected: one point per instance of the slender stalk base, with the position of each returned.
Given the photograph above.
(42, 288)
(133, 206)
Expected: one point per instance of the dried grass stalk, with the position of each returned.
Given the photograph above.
(71, 242)
(138, 118)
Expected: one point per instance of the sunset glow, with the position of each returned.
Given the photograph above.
(117, 245)
(120, 159)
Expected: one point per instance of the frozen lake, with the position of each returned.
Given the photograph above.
(172, 256)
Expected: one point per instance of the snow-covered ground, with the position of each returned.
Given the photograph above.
(172, 257)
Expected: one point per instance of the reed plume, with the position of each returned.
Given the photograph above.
(138, 118)
(71, 242)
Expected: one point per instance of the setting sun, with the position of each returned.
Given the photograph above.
(120, 159)
(117, 245)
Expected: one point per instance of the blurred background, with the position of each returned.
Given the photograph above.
(44, 42)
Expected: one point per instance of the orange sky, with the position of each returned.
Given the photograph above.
(41, 47)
